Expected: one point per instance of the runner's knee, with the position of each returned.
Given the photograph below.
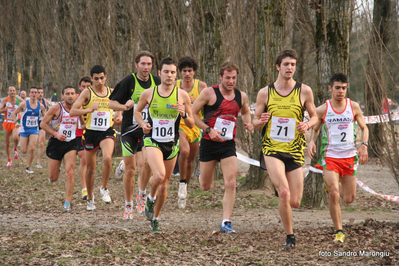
(349, 198)
(333, 195)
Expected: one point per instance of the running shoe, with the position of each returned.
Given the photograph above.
(9, 164)
(119, 170)
(128, 214)
(84, 194)
(67, 206)
(155, 227)
(182, 194)
(289, 244)
(181, 203)
(105, 195)
(227, 228)
(149, 209)
(339, 237)
(140, 202)
(38, 166)
(16, 155)
(28, 170)
(91, 206)
(325, 188)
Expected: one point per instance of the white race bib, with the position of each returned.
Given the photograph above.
(9, 113)
(163, 130)
(342, 134)
(144, 113)
(283, 129)
(68, 130)
(100, 120)
(226, 127)
(31, 121)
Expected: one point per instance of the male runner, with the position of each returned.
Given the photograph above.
(221, 104)
(124, 98)
(62, 144)
(98, 132)
(42, 133)
(8, 105)
(84, 83)
(189, 137)
(167, 105)
(29, 129)
(279, 113)
(23, 95)
(339, 156)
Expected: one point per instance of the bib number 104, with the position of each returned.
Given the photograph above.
(163, 132)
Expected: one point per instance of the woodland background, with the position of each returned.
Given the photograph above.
(54, 43)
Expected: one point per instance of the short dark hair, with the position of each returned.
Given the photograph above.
(67, 87)
(286, 53)
(143, 53)
(85, 79)
(40, 88)
(32, 88)
(340, 77)
(167, 61)
(187, 61)
(97, 69)
(229, 66)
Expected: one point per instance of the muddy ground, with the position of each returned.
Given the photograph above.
(35, 231)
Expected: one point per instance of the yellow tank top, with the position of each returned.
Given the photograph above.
(280, 133)
(193, 92)
(102, 118)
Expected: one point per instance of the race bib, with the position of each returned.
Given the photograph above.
(342, 134)
(226, 127)
(31, 121)
(283, 129)
(144, 113)
(68, 130)
(100, 120)
(9, 113)
(163, 130)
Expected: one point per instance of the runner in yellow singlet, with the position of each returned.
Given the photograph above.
(279, 114)
(98, 133)
(189, 137)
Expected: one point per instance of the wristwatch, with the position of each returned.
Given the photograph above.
(207, 130)
(185, 116)
(365, 143)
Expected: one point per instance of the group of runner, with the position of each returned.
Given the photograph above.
(160, 116)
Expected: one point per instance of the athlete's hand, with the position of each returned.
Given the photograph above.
(311, 149)
(215, 135)
(264, 117)
(363, 155)
(118, 120)
(302, 127)
(60, 137)
(17, 125)
(249, 127)
(94, 107)
(192, 99)
(181, 108)
(147, 128)
(129, 105)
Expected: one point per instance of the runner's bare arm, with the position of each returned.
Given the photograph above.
(245, 113)
(144, 100)
(261, 117)
(3, 105)
(52, 113)
(20, 108)
(307, 94)
(117, 117)
(42, 110)
(362, 151)
(83, 98)
(116, 106)
(185, 108)
(316, 130)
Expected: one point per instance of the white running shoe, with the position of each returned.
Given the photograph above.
(28, 170)
(182, 194)
(9, 164)
(119, 170)
(91, 206)
(38, 166)
(105, 195)
(181, 203)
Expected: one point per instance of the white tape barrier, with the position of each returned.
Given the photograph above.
(245, 159)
